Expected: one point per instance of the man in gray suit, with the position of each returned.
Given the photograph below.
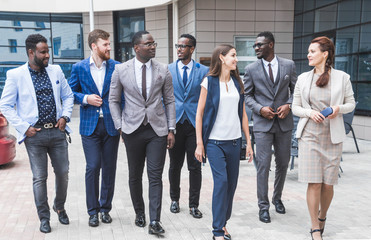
(147, 123)
(269, 86)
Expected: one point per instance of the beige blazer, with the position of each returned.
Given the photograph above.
(341, 95)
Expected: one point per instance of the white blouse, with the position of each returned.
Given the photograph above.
(227, 124)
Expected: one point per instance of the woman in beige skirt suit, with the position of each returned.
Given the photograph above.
(321, 138)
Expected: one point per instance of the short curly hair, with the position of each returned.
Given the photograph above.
(32, 40)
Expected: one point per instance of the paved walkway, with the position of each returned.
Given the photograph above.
(348, 218)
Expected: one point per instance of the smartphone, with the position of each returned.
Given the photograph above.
(327, 111)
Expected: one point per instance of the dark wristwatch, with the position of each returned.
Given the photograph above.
(67, 119)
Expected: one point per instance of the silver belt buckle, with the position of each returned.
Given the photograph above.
(48, 125)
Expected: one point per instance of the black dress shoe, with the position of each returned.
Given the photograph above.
(93, 220)
(279, 206)
(45, 226)
(155, 228)
(174, 207)
(264, 216)
(140, 220)
(106, 218)
(195, 212)
(62, 216)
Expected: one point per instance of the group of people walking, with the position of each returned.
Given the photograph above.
(194, 111)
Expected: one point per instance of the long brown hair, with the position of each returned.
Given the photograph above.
(216, 64)
(325, 44)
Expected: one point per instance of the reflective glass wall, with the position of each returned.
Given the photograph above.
(63, 31)
(348, 24)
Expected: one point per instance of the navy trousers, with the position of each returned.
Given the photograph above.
(224, 159)
(100, 153)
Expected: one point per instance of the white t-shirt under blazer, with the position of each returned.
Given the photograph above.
(227, 124)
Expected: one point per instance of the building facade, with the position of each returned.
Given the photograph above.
(212, 22)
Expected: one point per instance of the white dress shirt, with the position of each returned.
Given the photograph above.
(98, 75)
(274, 66)
(181, 70)
(227, 124)
(138, 74)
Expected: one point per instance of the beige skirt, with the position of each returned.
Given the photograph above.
(319, 158)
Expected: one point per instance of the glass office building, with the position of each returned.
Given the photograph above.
(348, 24)
(63, 31)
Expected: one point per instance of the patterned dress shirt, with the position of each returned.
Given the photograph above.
(44, 96)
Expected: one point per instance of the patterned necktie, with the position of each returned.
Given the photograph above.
(270, 73)
(185, 76)
(144, 82)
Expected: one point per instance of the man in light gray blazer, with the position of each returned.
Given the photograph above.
(269, 86)
(147, 123)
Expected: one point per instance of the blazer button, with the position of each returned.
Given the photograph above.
(97, 110)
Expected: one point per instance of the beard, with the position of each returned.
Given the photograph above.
(40, 62)
(103, 55)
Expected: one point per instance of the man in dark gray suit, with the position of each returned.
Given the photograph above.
(147, 123)
(269, 86)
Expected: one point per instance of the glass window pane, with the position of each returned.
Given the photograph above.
(366, 11)
(299, 6)
(20, 37)
(128, 26)
(245, 52)
(364, 68)
(347, 64)
(364, 96)
(320, 3)
(325, 19)
(298, 25)
(67, 40)
(19, 57)
(66, 68)
(349, 13)
(365, 43)
(297, 48)
(308, 20)
(244, 46)
(3, 70)
(308, 5)
(347, 40)
(305, 45)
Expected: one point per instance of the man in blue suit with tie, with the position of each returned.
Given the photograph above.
(187, 77)
(90, 82)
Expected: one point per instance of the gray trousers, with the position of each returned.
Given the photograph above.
(282, 145)
(50, 142)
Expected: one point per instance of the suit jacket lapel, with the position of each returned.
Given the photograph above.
(280, 75)
(155, 76)
(307, 86)
(179, 77)
(266, 79)
(132, 77)
(191, 75)
(107, 77)
(28, 82)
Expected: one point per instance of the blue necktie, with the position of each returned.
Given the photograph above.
(185, 76)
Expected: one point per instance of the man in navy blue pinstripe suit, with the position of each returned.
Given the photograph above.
(90, 82)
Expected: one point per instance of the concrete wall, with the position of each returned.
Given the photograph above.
(102, 20)
(157, 24)
(218, 21)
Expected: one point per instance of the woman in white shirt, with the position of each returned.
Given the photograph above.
(219, 118)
